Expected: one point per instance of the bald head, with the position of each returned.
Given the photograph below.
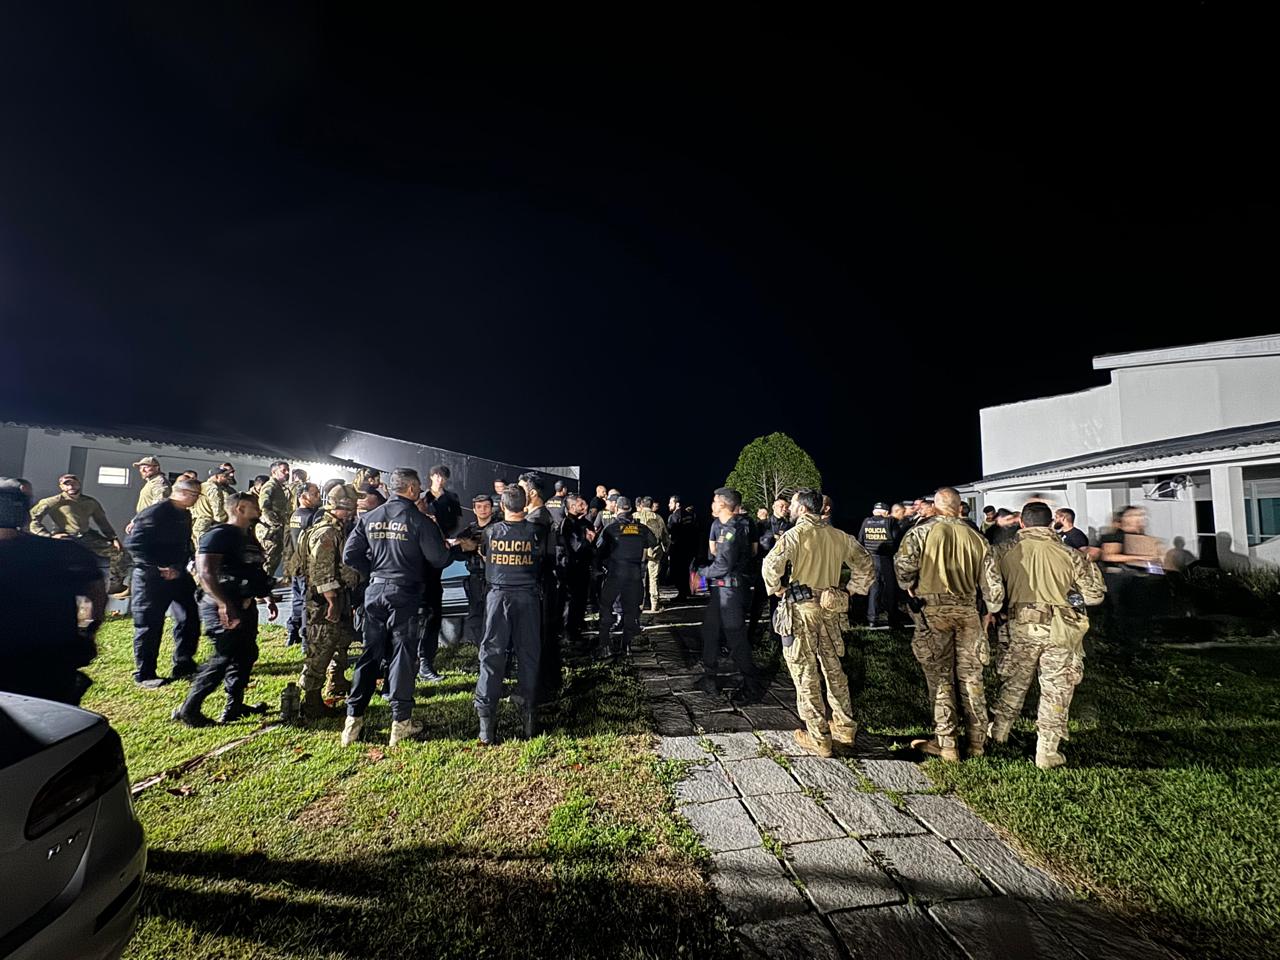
(947, 502)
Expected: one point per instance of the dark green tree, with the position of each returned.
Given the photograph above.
(771, 467)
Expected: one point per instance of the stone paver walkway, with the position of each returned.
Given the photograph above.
(848, 857)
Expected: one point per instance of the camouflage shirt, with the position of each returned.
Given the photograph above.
(210, 509)
(273, 499)
(74, 518)
(947, 558)
(659, 528)
(816, 552)
(322, 543)
(1038, 568)
(153, 491)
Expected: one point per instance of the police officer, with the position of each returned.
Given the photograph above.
(1048, 586)
(514, 552)
(308, 495)
(276, 507)
(577, 551)
(329, 586)
(473, 629)
(556, 505)
(229, 564)
(41, 580)
(392, 546)
(817, 610)
(680, 526)
(729, 583)
(537, 513)
(942, 564)
(620, 554)
(211, 508)
(654, 557)
(879, 536)
(498, 487)
(160, 540)
(72, 515)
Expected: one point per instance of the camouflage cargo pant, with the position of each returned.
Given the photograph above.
(272, 543)
(814, 661)
(651, 586)
(952, 649)
(121, 564)
(1060, 668)
(327, 643)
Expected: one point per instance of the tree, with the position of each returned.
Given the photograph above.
(771, 467)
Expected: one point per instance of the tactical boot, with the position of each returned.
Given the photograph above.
(232, 712)
(933, 749)
(1047, 755)
(488, 731)
(404, 730)
(313, 707)
(976, 748)
(190, 718)
(842, 740)
(351, 730)
(821, 747)
(998, 730)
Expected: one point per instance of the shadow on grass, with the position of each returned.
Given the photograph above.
(433, 900)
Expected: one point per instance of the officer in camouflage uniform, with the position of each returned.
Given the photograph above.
(72, 515)
(275, 503)
(155, 485)
(942, 564)
(818, 611)
(305, 513)
(298, 480)
(329, 621)
(1042, 576)
(211, 508)
(653, 557)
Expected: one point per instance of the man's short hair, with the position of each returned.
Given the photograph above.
(646, 501)
(730, 496)
(810, 499)
(278, 463)
(239, 497)
(482, 498)
(402, 478)
(534, 479)
(67, 476)
(1036, 514)
(561, 486)
(298, 473)
(1062, 512)
(439, 470)
(989, 509)
(187, 486)
(514, 499)
(1002, 512)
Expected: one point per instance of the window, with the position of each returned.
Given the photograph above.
(113, 476)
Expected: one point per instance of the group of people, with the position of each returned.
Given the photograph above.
(363, 561)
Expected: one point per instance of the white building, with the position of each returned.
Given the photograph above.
(1190, 433)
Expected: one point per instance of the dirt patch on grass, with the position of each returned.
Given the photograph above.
(323, 813)
(519, 818)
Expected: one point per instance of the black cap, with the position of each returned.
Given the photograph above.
(623, 503)
(485, 497)
(615, 497)
(881, 506)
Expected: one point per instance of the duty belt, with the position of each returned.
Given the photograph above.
(726, 582)
(398, 583)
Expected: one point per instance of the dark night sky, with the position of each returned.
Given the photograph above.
(630, 245)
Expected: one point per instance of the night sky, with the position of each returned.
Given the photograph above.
(632, 245)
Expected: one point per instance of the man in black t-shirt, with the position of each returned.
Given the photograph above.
(41, 644)
(229, 564)
(1064, 521)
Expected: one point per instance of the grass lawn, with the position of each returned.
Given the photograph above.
(1169, 810)
(290, 846)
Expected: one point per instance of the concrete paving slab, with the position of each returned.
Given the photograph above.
(793, 818)
(901, 776)
(1001, 865)
(999, 928)
(735, 746)
(829, 776)
(1096, 934)
(682, 748)
(722, 723)
(754, 887)
(949, 818)
(928, 868)
(783, 742)
(705, 783)
(871, 815)
(793, 938)
(839, 875)
(759, 776)
(893, 933)
(723, 825)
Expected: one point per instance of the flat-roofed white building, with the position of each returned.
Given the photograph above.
(1190, 433)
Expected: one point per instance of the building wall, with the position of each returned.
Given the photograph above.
(1140, 405)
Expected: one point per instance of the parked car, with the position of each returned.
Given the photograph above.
(72, 853)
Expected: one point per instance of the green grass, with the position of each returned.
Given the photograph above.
(291, 846)
(1169, 810)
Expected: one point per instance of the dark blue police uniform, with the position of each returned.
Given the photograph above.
(161, 537)
(477, 586)
(549, 674)
(235, 649)
(393, 545)
(620, 552)
(576, 554)
(880, 537)
(514, 556)
(728, 581)
(447, 510)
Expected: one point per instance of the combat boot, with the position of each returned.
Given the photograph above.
(821, 747)
(313, 707)
(190, 718)
(842, 740)
(488, 732)
(933, 749)
(1047, 755)
(351, 730)
(976, 749)
(404, 730)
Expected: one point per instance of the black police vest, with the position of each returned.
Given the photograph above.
(513, 553)
(627, 553)
(555, 506)
(877, 535)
